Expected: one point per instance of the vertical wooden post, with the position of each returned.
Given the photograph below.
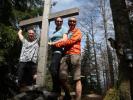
(42, 62)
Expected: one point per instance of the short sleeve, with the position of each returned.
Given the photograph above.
(24, 41)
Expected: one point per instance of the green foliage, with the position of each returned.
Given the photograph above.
(12, 11)
(86, 59)
(8, 35)
(85, 66)
(112, 94)
(27, 14)
(23, 5)
(27, 9)
(6, 13)
(8, 38)
(48, 81)
(85, 86)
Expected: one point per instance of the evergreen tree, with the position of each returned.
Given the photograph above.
(86, 66)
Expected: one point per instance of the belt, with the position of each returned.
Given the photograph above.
(58, 52)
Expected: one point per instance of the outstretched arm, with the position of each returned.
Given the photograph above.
(20, 35)
(75, 37)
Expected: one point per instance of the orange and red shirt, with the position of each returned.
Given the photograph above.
(72, 44)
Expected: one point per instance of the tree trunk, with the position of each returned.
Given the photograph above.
(123, 41)
(109, 55)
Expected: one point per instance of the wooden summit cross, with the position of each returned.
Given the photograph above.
(42, 61)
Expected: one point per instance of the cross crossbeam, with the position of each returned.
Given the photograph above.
(38, 20)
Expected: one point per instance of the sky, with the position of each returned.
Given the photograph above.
(66, 4)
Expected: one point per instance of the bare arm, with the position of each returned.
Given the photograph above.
(20, 35)
(75, 37)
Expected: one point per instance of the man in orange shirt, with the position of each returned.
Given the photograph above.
(71, 60)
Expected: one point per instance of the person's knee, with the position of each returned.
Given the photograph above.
(78, 86)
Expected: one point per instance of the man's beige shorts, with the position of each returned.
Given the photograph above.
(72, 64)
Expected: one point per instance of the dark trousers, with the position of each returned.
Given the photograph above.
(26, 71)
(54, 70)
